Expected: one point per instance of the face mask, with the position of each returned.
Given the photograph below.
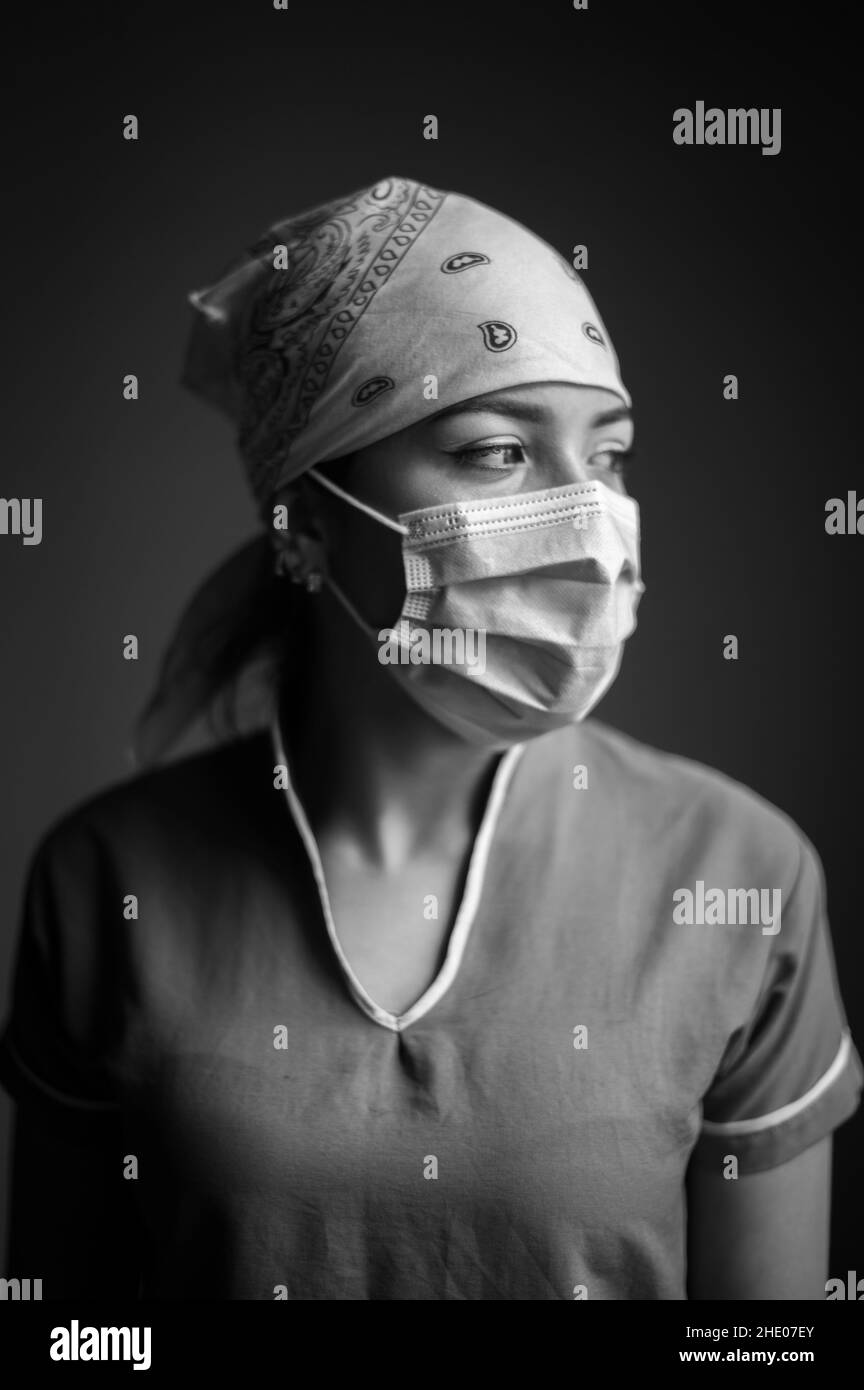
(546, 584)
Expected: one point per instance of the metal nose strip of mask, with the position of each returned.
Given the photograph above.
(355, 502)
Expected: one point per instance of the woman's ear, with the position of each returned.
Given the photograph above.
(297, 534)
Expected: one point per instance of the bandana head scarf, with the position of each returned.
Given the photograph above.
(341, 326)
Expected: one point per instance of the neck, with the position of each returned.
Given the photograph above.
(370, 766)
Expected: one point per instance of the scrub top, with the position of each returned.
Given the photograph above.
(522, 1131)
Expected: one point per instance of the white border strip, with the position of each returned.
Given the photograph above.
(786, 1112)
(467, 908)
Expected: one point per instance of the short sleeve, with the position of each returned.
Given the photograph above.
(56, 1034)
(791, 1073)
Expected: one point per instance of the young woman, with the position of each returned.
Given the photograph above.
(432, 989)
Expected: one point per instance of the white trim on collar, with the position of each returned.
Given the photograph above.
(467, 908)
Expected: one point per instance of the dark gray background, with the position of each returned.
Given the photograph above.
(703, 261)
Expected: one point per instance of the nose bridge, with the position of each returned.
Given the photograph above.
(566, 453)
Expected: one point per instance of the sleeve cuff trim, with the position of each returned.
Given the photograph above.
(786, 1112)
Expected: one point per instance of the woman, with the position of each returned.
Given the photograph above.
(432, 990)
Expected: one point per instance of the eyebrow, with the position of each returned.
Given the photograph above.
(523, 410)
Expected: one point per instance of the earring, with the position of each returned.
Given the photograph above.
(282, 565)
(289, 565)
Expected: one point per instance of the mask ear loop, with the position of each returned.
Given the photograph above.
(343, 598)
(355, 502)
(367, 628)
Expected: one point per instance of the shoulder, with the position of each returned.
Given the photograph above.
(172, 839)
(673, 800)
(201, 798)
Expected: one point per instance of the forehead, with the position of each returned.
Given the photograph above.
(539, 403)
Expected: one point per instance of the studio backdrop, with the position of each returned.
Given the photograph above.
(727, 275)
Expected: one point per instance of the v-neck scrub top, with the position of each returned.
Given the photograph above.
(523, 1130)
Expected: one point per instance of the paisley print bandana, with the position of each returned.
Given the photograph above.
(347, 323)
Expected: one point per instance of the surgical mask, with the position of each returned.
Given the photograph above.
(548, 582)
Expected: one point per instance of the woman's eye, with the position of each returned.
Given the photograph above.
(489, 455)
(503, 457)
(616, 459)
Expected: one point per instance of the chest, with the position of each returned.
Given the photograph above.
(394, 928)
(480, 1133)
(476, 1155)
